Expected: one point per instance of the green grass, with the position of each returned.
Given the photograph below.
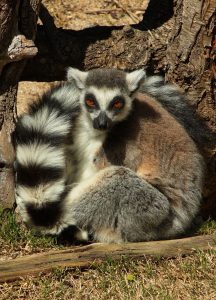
(16, 236)
(208, 227)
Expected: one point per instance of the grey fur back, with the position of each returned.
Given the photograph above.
(121, 208)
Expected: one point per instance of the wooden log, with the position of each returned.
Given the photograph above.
(84, 256)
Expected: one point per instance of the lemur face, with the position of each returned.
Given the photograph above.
(106, 94)
(105, 106)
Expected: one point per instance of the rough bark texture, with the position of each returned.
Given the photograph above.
(175, 38)
(18, 21)
(84, 256)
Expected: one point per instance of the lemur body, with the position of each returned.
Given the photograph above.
(138, 173)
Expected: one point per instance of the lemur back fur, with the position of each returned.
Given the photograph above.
(141, 180)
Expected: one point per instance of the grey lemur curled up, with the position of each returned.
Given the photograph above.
(139, 174)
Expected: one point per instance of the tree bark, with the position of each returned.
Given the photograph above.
(18, 21)
(84, 256)
(176, 38)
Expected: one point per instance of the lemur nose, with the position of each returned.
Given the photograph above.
(102, 122)
(102, 125)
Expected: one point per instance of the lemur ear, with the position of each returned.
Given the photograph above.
(133, 79)
(79, 77)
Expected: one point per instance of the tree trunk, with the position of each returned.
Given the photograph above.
(175, 38)
(18, 21)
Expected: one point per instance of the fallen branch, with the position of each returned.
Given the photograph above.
(84, 256)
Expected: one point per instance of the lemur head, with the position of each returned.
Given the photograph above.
(106, 94)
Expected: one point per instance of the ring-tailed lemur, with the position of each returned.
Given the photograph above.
(139, 173)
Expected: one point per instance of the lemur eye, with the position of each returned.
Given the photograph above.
(90, 102)
(118, 104)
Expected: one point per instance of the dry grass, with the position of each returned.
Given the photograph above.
(192, 277)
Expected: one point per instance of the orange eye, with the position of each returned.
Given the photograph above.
(90, 102)
(118, 104)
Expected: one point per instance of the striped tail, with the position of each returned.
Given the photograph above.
(40, 137)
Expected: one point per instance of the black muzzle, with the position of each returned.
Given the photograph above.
(102, 122)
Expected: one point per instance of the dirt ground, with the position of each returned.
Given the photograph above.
(81, 14)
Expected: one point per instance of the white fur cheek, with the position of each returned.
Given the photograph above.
(94, 114)
(82, 100)
(90, 116)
